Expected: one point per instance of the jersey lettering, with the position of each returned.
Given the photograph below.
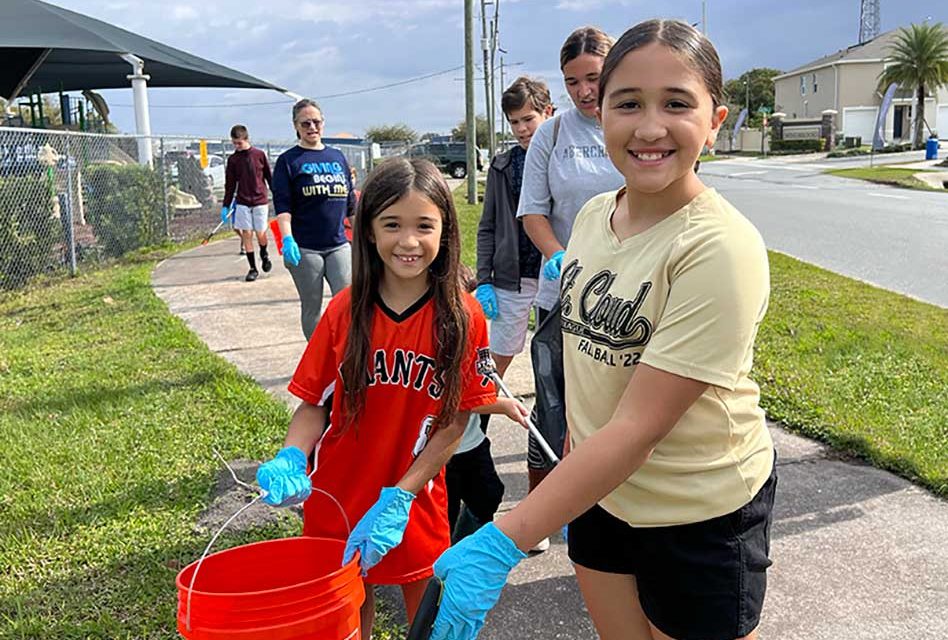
(405, 369)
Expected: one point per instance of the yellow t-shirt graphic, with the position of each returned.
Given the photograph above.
(686, 296)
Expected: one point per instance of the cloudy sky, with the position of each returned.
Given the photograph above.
(323, 48)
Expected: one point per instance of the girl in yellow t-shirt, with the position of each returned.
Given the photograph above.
(669, 486)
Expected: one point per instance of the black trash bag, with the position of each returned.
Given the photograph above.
(546, 351)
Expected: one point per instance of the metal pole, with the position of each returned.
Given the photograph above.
(704, 17)
(469, 101)
(140, 98)
(71, 218)
(164, 184)
(485, 49)
(504, 125)
(493, 83)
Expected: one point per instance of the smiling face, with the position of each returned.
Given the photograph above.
(581, 76)
(657, 115)
(309, 125)
(525, 121)
(407, 236)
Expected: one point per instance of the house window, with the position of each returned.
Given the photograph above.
(815, 86)
(802, 85)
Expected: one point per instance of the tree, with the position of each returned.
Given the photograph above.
(391, 133)
(918, 59)
(459, 133)
(759, 87)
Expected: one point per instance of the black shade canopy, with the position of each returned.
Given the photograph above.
(45, 48)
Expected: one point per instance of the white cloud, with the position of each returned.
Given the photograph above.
(184, 12)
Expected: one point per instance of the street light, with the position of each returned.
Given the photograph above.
(747, 96)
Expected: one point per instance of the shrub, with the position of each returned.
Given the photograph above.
(797, 145)
(28, 230)
(125, 206)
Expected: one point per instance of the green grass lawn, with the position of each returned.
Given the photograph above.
(109, 409)
(858, 367)
(895, 176)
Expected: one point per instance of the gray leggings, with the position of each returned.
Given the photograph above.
(333, 264)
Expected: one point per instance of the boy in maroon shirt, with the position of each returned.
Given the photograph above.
(248, 173)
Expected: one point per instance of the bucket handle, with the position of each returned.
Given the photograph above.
(261, 493)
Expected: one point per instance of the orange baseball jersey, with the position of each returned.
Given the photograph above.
(402, 400)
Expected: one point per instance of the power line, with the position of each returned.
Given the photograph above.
(284, 103)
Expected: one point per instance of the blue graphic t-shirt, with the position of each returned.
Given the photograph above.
(316, 188)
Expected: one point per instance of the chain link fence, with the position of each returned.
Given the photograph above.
(69, 201)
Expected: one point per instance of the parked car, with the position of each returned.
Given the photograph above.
(450, 157)
(215, 171)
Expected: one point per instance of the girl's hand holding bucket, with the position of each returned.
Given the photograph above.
(381, 528)
(284, 478)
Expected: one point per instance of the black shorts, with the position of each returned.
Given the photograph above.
(472, 478)
(700, 581)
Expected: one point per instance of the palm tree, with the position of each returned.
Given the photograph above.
(918, 58)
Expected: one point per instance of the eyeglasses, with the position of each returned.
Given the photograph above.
(306, 124)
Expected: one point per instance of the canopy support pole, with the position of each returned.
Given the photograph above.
(140, 98)
(29, 75)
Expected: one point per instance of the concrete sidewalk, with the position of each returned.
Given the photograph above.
(858, 553)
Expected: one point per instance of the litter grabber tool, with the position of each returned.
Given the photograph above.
(486, 367)
(423, 623)
(211, 234)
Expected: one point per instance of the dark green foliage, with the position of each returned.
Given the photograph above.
(29, 233)
(796, 145)
(125, 206)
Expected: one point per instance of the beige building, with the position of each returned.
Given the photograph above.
(847, 81)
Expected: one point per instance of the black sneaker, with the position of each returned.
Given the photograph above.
(251, 275)
(243, 251)
(267, 265)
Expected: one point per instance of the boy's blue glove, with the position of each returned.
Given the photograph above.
(551, 270)
(474, 571)
(381, 528)
(486, 295)
(291, 251)
(284, 478)
(225, 214)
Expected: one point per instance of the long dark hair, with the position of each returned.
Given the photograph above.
(680, 37)
(585, 40)
(385, 185)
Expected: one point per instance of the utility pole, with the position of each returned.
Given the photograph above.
(469, 101)
(704, 17)
(503, 118)
(493, 83)
(485, 49)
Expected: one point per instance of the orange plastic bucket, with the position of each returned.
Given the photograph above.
(277, 236)
(287, 589)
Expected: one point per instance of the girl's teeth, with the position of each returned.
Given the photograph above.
(650, 156)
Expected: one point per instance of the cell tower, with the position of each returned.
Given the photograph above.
(869, 20)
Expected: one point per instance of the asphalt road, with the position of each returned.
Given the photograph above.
(893, 238)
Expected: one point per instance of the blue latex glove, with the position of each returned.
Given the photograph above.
(474, 571)
(291, 251)
(225, 214)
(284, 478)
(486, 295)
(551, 270)
(381, 528)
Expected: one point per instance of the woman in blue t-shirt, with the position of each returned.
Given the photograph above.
(313, 194)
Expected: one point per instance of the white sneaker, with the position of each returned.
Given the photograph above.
(541, 546)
